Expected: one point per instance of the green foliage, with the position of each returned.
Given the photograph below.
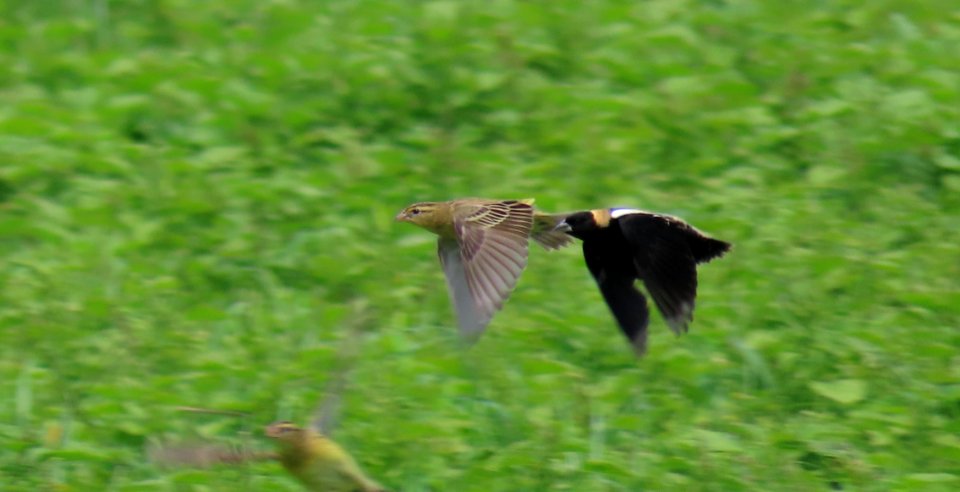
(196, 204)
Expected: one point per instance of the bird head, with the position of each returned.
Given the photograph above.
(284, 431)
(425, 214)
(580, 223)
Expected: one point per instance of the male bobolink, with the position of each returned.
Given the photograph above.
(319, 463)
(623, 245)
(483, 250)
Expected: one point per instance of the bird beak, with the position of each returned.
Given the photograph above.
(401, 217)
(563, 227)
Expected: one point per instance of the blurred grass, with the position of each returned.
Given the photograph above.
(196, 204)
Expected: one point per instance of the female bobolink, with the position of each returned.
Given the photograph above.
(623, 245)
(483, 250)
(319, 463)
(309, 454)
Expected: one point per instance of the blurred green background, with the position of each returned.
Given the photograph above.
(197, 200)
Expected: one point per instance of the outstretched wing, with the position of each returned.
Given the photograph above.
(327, 412)
(665, 262)
(203, 455)
(484, 262)
(469, 317)
(627, 304)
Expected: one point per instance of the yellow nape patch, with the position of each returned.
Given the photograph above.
(601, 217)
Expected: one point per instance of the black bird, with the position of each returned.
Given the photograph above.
(623, 245)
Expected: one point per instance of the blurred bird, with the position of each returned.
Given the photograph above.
(623, 245)
(314, 459)
(319, 463)
(483, 249)
(309, 454)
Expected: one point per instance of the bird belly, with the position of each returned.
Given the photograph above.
(329, 475)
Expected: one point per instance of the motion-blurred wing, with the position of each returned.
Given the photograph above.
(327, 413)
(627, 304)
(665, 263)
(203, 455)
(491, 252)
(469, 317)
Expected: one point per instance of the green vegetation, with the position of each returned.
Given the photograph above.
(197, 200)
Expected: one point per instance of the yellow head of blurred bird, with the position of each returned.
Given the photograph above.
(317, 461)
(483, 249)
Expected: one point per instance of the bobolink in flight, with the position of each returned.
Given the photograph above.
(308, 454)
(483, 249)
(623, 245)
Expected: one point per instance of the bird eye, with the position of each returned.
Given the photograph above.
(415, 211)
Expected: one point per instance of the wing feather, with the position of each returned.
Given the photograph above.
(469, 318)
(492, 240)
(626, 303)
(665, 263)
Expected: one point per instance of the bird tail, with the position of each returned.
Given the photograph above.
(706, 248)
(543, 230)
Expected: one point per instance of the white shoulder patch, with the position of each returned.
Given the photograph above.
(616, 213)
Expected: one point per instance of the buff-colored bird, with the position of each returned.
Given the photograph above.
(308, 453)
(483, 249)
(318, 462)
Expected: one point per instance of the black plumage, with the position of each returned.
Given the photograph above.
(621, 246)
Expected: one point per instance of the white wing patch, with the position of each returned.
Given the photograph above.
(616, 213)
